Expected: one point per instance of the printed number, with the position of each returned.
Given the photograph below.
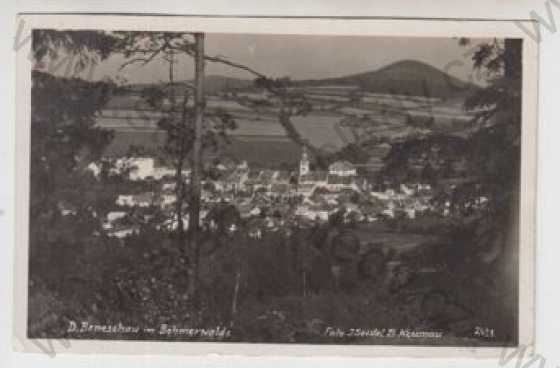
(484, 332)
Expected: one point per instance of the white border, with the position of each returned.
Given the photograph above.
(330, 26)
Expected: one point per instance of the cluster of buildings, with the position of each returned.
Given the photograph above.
(282, 183)
(268, 199)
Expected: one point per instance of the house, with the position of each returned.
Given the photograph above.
(142, 167)
(352, 214)
(236, 180)
(233, 178)
(283, 177)
(316, 211)
(141, 200)
(67, 208)
(244, 166)
(255, 233)
(123, 231)
(342, 168)
(168, 187)
(407, 190)
(171, 224)
(261, 181)
(314, 177)
(305, 189)
(167, 199)
(115, 215)
(255, 211)
(340, 182)
(253, 182)
(390, 209)
(280, 189)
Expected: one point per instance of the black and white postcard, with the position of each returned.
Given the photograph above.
(275, 185)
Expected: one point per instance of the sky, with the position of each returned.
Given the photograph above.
(304, 57)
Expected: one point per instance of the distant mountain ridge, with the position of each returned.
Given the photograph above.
(212, 84)
(405, 77)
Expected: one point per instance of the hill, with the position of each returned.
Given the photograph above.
(406, 77)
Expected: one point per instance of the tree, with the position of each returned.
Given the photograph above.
(188, 134)
(495, 152)
(64, 141)
(67, 201)
(484, 199)
(194, 217)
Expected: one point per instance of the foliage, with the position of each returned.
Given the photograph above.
(425, 159)
(352, 152)
(88, 46)
(482, 197)
(66, 201)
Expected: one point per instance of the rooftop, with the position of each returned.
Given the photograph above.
(314, 176)
(341, 166)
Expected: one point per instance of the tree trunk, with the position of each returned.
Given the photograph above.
(179, 164)
(235, 297)
(195, 178)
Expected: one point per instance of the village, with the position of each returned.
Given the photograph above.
(266, 199)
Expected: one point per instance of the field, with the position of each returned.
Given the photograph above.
(336, 119)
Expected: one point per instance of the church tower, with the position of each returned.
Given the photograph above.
(304, 163)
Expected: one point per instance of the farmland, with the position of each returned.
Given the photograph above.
(340, 114)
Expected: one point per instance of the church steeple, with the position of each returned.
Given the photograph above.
(304, 163)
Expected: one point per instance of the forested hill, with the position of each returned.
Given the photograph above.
(406, 77)
(212, 84)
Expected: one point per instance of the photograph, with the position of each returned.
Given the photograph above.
(274, 188)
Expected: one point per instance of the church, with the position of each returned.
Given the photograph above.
(340, 175)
